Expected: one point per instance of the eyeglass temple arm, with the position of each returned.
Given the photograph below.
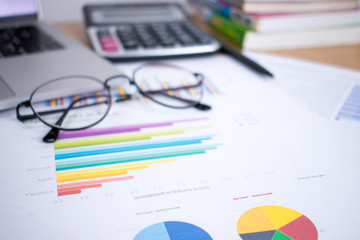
(195, 104)
(53, 134)
(24, 117)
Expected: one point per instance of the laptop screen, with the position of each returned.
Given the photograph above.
(13, 8)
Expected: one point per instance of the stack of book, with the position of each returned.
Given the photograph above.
(282, 24)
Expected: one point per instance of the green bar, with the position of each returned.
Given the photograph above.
(119, 138)
(140, 157)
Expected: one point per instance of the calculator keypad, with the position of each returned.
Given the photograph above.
(152, 35)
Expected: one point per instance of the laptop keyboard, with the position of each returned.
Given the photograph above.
(25, 40)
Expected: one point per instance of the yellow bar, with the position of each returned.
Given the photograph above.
(166, 86)
(190, 90)
(98, 174)
(52, 103)
(120, 138)
(112, 139)
(117, 167)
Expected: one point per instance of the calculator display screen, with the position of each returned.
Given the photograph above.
(136, 14)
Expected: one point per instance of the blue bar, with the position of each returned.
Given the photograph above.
(137, 154)
(344, 107)
(349, 118)
(134, 147)
(354, 112)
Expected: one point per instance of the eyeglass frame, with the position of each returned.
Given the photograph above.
(52, 135)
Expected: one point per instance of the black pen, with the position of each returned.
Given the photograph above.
(245, 60)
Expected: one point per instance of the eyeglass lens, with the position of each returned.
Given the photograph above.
(78, 102)
(66, 102)
(169, 85)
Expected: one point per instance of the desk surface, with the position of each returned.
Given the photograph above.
(345, 56)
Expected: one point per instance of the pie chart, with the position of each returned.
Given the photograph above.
(172, 230)
(275, 223)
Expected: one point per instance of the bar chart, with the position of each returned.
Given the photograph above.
(92, 157)
(350, 110)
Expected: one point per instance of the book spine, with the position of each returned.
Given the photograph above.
(236, 3)
(232, 13)
(233, 31)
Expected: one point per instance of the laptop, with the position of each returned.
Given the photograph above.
(33, 52)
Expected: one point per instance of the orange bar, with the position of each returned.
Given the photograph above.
(190, 90)
(166, 87)
(121, 92)
(52, 103)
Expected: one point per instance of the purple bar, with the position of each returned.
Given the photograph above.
(348, 115)
(346, 109)
(119, 129)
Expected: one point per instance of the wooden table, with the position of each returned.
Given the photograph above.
(345, 56)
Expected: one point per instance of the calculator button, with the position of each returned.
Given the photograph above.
(130, 44)
(127, 36)
(107, 42)
(146, 35)
(199, 36)
(167, 42)
(186, 40)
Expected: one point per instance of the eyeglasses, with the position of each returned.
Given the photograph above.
(79, 102)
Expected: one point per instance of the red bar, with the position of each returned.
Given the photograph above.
(68, 192)
(78, 188)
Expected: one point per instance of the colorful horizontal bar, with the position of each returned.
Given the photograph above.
(351, 105)
(134, 155)
(91, 173)
(79, 184)
(354, 113)
(350, 109)
(79, 187)
(70, 192)
(125, 144)
(120, 129)
(134, 147)
(142, 156)
(210, 87)
(99, 174)
(114, 167)
(349, 117)
(120, 138)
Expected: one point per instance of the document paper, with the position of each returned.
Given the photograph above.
(274, 159)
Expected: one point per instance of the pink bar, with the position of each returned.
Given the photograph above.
(80, 184)
(120, 129)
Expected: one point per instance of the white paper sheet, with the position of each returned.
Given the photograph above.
(265, 142)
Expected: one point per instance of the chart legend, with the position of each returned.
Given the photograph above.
(173, 231)
(275, 223)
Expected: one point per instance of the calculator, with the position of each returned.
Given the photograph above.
(133, 31)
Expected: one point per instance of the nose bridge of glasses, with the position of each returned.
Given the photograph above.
(118, 77)
(121, 87)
